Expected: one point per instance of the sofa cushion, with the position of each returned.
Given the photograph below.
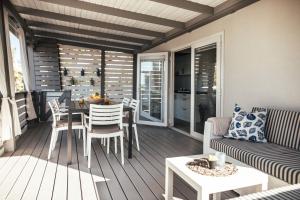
(247, 125)
(283, 127)
(283, 193)
(273, 159)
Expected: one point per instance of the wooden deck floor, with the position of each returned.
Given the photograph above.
(26, 173)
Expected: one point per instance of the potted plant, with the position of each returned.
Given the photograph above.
(73, 81)
(92, 82)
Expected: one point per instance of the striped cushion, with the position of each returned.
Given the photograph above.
(283, 128)
(282, 193)
(273, 159)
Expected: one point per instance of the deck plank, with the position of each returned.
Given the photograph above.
(32, 189)
(114, 186)
(22, 181)
(142, 186)
(128, 187)
(141, 177)
(47, 184)
(74, 187)
(9, 158)
(88, 186)
(17, 167)
(21, 142)
(60, 190)
(160, 152)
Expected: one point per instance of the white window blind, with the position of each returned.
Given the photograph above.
(118, 75)
(74, 59)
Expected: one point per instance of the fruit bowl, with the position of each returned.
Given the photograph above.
(95, 100)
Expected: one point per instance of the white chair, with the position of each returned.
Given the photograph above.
(60, 106)
(134, 104)
(64, 109)
(104, 122)
(126, 101)
(62, 125)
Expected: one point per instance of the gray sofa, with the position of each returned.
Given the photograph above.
(291, 192)
(279, 157)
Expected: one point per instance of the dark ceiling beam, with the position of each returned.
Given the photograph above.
(188, 5)
(85, 40)
(220, 11)
(88, 22)
(86, 32)
(85, 45)
(117, 12)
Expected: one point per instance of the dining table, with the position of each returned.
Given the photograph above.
(83, 107)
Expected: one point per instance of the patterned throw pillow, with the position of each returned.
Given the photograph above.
(247, 126)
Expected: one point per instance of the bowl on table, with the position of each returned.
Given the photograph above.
(96, 100)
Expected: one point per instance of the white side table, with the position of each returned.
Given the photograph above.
(206, 185)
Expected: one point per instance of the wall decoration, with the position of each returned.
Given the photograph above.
(98, 72)
(65, 72)
(92, 82)
(74, 59)
(82, 72)
(73, 81)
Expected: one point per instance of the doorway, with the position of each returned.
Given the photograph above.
(152, 88)
(206, 80)
(182, 89)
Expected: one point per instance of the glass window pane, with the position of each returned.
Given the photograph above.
(205, 85)
(16, 58)
(151, 90)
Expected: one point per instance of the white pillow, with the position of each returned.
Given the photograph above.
(247, 126)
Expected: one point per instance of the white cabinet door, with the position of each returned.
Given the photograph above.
(182, 106)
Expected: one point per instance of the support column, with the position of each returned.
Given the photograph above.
(134, 78)
(102, 73)
(9, 145)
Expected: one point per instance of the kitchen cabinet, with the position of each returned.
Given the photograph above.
(182, 106)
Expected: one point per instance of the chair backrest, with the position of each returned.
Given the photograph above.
(57, 102)
(134, 104)
(53, 106)
(126, 101)
(54, 109)
(105, 115)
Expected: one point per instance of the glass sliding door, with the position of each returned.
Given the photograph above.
(206, 96)
(152, 88)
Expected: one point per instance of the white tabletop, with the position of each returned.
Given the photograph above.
(244, 177)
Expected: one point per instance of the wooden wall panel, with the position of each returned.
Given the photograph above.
(74, 59)
(46, 66)
(118, 75)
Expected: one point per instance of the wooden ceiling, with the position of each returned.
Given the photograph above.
(125, 25)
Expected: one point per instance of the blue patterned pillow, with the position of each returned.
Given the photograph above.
(247, 126)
